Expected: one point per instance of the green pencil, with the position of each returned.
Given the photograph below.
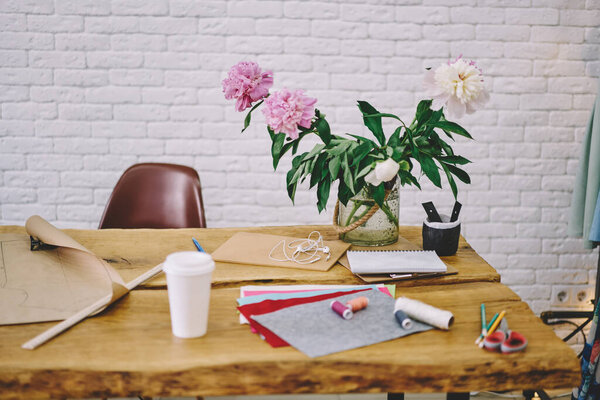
(483, 321)
(480, 338)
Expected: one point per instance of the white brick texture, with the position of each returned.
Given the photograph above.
(89, 87)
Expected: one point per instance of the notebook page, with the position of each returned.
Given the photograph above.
(388, 262)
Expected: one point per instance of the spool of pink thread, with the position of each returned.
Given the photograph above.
(341, 310)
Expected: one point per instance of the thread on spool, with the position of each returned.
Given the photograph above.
(403, 319)
(341, 310)
(358, 303)
(420, 311)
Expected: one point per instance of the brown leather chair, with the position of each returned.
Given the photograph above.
(152, 195)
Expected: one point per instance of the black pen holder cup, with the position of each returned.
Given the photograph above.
(441, 236)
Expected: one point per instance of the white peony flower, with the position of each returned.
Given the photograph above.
(372, 178)
(458, 86)
(384, 171)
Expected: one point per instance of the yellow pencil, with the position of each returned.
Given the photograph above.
(494, 326)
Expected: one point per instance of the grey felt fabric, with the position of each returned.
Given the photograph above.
(316, 330)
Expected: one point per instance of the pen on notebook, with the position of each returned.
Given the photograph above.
(198, 245)
(487, 328)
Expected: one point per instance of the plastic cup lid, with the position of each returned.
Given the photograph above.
(189, 263)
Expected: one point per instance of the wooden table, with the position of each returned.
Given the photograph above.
(129, 350)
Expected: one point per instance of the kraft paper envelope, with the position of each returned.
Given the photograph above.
(50, 284)
(254, 249)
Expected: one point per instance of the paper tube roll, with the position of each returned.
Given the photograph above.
(420, 311)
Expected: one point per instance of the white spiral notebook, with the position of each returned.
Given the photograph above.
(395, 261)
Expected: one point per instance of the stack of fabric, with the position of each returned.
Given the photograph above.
(302, 316)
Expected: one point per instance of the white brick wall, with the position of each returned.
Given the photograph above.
(89, 87)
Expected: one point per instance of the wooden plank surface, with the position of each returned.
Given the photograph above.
(134, 251)
(128, 350)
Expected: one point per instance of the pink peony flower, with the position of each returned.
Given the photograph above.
(247, 83)
(458, 86)
(285, 111)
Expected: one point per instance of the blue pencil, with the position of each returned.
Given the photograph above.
(198, 245)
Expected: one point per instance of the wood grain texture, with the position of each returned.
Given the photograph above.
(134, 251)
(129, 350)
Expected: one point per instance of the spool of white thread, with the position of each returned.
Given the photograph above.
(420, 311)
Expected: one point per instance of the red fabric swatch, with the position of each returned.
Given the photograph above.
(268, 306)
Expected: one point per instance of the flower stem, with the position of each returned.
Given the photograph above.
(386, 209)
(362, 214)
(355, 208)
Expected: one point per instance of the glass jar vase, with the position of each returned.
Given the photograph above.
(379, 230)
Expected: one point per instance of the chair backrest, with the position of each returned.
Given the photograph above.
(152, 195)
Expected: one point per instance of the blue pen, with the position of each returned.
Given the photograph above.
(198, 245)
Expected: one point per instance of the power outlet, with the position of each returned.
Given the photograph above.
(582, 296)
(572, 296)
(561, 296)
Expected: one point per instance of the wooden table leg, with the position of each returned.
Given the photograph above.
(395, 396)
(457, 396)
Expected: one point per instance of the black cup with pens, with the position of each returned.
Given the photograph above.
(441, 232)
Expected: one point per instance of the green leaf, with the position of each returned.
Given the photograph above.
(453, 127)
(277, 147)
(341, 148)
(379, 194)
(451, 181)
(291, 187)
(454, 160)
(364, 139)
(423, 106)
(364, 171)
(407, 177)
(394, 140)
(413, 146)
(323, 194)
(374, 123)
(386, 115)
(459, 173)
(436, 116)
(348, 180)
(323, 130)
(249, 115)
(404, 165)
(360, 152)
(447, 149)
(297, 160)
(334, 167)
(344, 193)
(317, 171)
(314, 152)
(430, 169)
(423, 113)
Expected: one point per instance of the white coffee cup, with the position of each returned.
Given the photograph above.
(189, 275)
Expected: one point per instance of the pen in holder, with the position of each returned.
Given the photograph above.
(441, 236)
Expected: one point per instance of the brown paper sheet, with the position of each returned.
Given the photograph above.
(254, 248)
(50, 284)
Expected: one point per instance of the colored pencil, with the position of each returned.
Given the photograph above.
(487, 328)
(494, 326)
(198, 245)
(483, 321)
